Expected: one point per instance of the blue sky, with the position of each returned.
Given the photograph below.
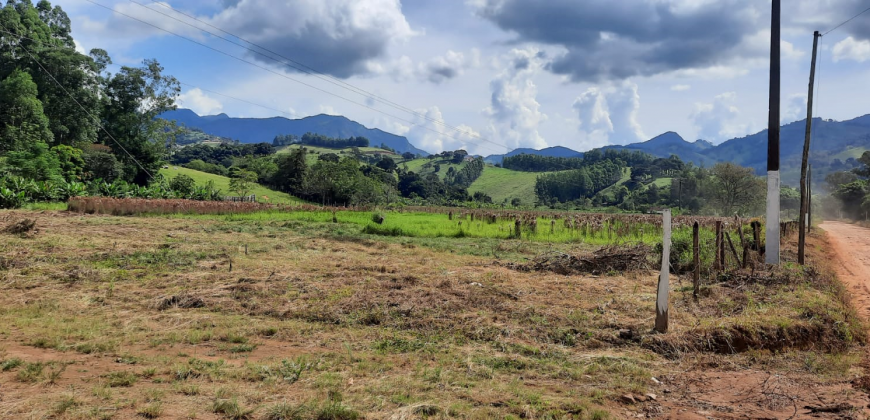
(493, 75)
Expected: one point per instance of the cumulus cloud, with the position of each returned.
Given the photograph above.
(431, 135)
(794, 108)
(337, 37)
(852, 49)
(196, 100)
(436, 70)
(617, 40)
(609, 115)
(610, 40)
(126, 25)
(680, 88)
(719, 120)
(514, 111)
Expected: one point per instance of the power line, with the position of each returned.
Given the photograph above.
(96, 120)
(847, 21)
(285, 76)
(295, 64)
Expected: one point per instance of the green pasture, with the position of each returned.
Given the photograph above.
(501, 184)
(429, 225)
(223, 183)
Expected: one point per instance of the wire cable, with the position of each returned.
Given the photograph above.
(288, 77)
(304, 68)
(847, 21)
(96, 120)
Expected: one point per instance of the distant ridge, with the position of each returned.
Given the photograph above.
(264, 130)
(555, 151)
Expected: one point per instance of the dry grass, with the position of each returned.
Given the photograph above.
(164, 317)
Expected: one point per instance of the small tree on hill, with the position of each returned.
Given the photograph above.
(243, 182)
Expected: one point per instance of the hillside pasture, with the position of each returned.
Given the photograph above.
(504, 184)
(264, 195)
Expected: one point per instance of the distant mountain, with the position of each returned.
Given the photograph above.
(259, 130)
(834, 146)
(556, 151)
(671, 143)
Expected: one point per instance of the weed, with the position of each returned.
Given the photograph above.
(231, 409)
(187, 389)
(151, 411)
(10, 364)
(242, 348)
(30, 372)
(65, 403)
(284, 411)
(120, 379)
(55, 372)
(288, 371)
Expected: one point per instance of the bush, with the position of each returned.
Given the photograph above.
(183, 185)
(378, 218)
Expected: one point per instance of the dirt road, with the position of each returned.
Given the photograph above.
(851, 245)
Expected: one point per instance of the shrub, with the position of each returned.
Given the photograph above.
(183, 185)
(378, 218)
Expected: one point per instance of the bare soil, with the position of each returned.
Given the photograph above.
(850, 246)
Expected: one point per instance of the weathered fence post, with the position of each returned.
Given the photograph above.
(696, 259)
(733, 250)
(664, 281)
(718, 263)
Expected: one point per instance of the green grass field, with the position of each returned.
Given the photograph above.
(501, 184)
(429, 225)
(663, 182)
(223, 183)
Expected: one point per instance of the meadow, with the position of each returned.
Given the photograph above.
(264, 195)
(291, 315)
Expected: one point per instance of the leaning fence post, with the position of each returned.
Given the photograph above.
(696, 259)
(664, 283)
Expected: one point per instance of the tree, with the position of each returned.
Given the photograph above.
(24, 132)
(387, 164)
(99, 164)
(183, 185)
(735, 189)
(408, 156)
(292, 172)
(864, 171)
(134, 97)
(46, 42)
(835, 179)
(243, 182)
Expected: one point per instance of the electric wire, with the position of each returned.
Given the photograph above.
(847, 21)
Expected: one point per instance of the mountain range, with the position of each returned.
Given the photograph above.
(835, 144)
(264, 130)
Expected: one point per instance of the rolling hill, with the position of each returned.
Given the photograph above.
(264, 195)
(264, 130)
(556, 151)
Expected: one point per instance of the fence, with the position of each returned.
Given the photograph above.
(243, 199)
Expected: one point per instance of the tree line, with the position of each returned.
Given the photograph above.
(320, 140)
(51, 134)
(537, 163)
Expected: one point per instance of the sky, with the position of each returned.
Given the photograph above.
(493, 75)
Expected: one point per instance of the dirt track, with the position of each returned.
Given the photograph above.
(851, 244)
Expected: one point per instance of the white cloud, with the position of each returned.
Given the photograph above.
(514, 111)
(719, 120)
(609, 115)
(795, 108)
(851, 49)
(199, 102)
(79, 48)
(431, 135)
(328, 110)
(680, 88)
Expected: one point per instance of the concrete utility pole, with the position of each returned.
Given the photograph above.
(664, 281)
(802, 222)
(773, 182)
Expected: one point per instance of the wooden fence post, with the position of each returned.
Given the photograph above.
(718, 263)
(696, 259)
(733, 250)
(664, 281)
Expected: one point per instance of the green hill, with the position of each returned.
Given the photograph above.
(501, 184)
(223, 183)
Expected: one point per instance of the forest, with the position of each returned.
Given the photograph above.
(319, 140)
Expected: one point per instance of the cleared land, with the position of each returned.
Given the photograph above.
(504, 184)
(223, 183)
(219, 317)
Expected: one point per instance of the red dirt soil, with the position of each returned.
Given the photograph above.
(851, 245)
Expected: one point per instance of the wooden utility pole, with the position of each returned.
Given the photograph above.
(809, 198)
(802, 217)
(696, 260)
(664, 281)
(773, 182)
